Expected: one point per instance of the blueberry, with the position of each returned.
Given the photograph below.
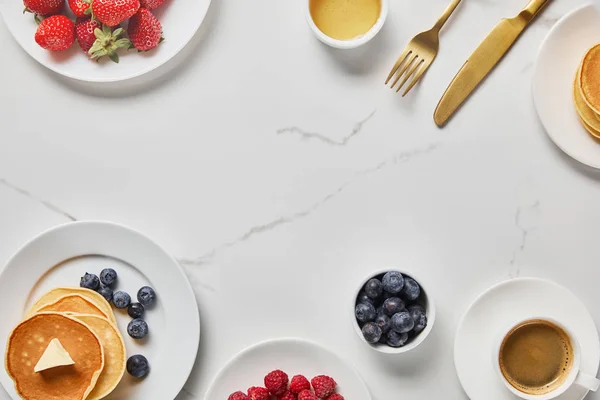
(89, 281)
(365, 312)
(392, 306)
(393, 282)
(138, 366)
(135, 310)
(137, 328)
(386, 295)
(363, 298)
(121, 299)
(371, 332)
(414, 307)
(411, 290)
(420, 322)
(395, 339)
(402, 322)
(380, 310)
(106, 292)
(373, 288)
(108, 276)
(383, 321)
(146, 295)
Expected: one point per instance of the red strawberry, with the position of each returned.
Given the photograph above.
(287, 396)
(258, 393)
(79, 7)
(324, 386)
(276, 382)
(106, 42)
(113, 12)
(307, 395)
(237, 396)
(55, 33)
(43, 7)
(299, 383)
(84, 31)
(151, 4)
(144, 30)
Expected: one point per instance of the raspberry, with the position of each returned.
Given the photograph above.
(324, 386)
(335, 396)
(299, 383)
(258, 393)
(307, 395)
(288, 396)
(237, 396)
(276, 382)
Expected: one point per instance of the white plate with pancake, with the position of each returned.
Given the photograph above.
(180, 20)
(60, 256)
(509, 302)
(556, 66)
(294, 357)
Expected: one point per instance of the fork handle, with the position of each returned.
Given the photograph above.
(444, 18)
(532, 9)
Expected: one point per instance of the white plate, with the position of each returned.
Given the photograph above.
(510, 302)
(60, 256)
(557, 63)
(180, 20)
(293, 356)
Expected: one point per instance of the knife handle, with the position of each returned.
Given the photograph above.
(447, 13)
(532, 9)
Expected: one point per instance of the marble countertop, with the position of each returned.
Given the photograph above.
(280, 173)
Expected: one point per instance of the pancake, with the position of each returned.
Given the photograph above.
(114, 354)
(73, 304)
(587, 117)
(27, 343)
(589, 79)
(94, 297)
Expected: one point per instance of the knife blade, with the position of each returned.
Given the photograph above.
(483, 60)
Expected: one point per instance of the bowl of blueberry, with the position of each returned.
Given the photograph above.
(392, 312)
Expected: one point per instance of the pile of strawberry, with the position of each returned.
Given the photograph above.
(279, 387)
(96, 28)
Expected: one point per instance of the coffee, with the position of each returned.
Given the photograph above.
(536, 357)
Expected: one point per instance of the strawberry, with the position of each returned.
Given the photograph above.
(151, 4)
(79, 7)
(144, 30)
(43, 7)
(84, 32)
(56, 33)
(106, 42)
(113, 12)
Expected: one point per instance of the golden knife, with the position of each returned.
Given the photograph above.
(483, 60)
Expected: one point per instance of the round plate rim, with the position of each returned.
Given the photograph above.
(112, 225)
(537, 66)
(141, 72)
(268, 342)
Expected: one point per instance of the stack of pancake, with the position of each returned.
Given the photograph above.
(85, 325)
(587, 91)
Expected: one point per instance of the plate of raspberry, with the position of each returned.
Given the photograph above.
(139, 46)
(287, 369)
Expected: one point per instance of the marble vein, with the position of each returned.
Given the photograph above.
(399, 158)
(37, 199)
(294, 130)
(524, 232)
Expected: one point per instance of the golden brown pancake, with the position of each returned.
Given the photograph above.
(587, 117)
(589, 79)
(114, 354)
(29, 340)
(73, 304)
(94, 297)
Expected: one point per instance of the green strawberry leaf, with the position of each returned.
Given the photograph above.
(114, 57)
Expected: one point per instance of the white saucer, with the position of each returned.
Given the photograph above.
(557, 63)
(504, 304)
(293, 356)
(60, 256)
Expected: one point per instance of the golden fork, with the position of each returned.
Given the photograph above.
(419, 54)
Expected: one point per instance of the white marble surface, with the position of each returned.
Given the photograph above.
(281, 172)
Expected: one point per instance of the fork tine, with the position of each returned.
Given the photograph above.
(401, 59)
(406, 66)
(417, 77)
(410, 73)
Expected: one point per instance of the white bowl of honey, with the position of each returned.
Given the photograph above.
(346, 24)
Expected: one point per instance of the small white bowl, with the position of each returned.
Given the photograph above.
(351, 43)
(417, 340)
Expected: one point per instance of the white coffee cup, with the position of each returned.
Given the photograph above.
(575, 377)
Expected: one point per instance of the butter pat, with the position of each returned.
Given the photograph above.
(54, 356)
